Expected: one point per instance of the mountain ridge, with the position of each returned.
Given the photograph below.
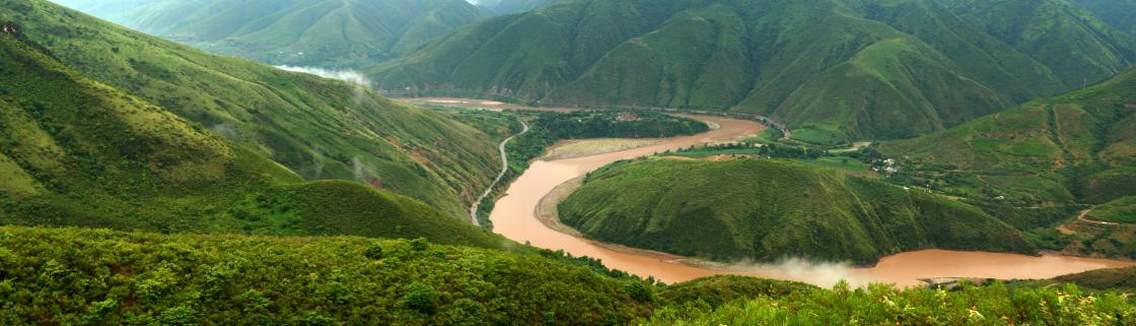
(759, 57)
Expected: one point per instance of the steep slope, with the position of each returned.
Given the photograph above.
(74, 151)
(321, 129)
(1074, 147)
(325, 33)
(1074, 44)
(508, 7)
(771, 209)
(1117, 13)
(834, 70)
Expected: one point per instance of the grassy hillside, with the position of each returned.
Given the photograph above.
(1070, 41)
(506, 7)
(1074, 147)
(321, 129)
(771, 209)
(75, 276)
(324, 33)
(1114, 12)
(1041, 163)
(1117, 278)
(833, 70)
(1122, 210)
(74, 151)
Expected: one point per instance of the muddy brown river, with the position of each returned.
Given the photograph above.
(514, 216)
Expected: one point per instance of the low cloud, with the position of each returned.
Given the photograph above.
(823, 274)
(349, 76)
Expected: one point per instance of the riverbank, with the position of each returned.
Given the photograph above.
(524, 215)
(476, 206)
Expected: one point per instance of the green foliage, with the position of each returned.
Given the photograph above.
(772, 209)
(1038, 165)
(505, 7)
(318, 128)
(325, 33)
(1121, 211)
(67, 276)
(1121, 279)
(122, 162)
(832, 70)
(1114, 12)
(880, 305)
(375, 251)
(84, 276)
(420, 297)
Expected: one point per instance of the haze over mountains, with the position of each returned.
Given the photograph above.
(324, 33)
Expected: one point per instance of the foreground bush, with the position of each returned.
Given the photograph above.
(885, 305)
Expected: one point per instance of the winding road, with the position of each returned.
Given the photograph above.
(504, 168)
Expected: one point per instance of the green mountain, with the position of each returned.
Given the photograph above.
(324, 33)
(834, 70)
(1117, 13)
(1042, 164)
(1078, 146)
(79, 152)
(767, 210)
(318, 128)
(507, 7)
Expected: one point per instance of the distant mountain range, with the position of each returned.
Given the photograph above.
(324, 33)
(834, 70)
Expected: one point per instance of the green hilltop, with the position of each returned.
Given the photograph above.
(318, 128)
(77, 152)
(767, 210)
(833, 70)
(325, 33)
(1042, 164)
(1078, 146)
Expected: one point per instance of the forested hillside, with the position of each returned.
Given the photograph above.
(834, 70)
(318, 128)
(1043, 164)
(1075, 147)
(74, 276)
(506, 7)
(1117, 13)
(768, 210)
(77, 152)
(324, 33)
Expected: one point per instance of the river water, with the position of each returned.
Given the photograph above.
(514, 216)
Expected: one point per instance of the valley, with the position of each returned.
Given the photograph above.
(567, 162)
(516, 216)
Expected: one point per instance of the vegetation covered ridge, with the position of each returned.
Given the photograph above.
(77, 152)
(86, 276)
(318, 128)
(834, 71)
(1040, 164)
(319, 33)
(770, 209)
